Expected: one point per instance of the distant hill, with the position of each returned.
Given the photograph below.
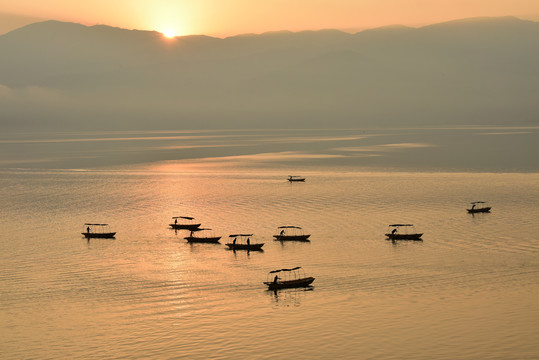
(471, 71)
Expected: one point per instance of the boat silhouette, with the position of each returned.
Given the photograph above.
(202, 236)
(97, 231)
(243, 242)
(403, 232)
(291, 233)
(291, 278)
(184, 223)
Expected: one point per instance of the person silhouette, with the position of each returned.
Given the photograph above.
(275, 279)
(394, 231)
(88, 229)
(248, 241)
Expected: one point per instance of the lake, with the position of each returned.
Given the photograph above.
(469, 290)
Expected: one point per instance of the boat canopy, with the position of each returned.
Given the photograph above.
(183, 217)
(276, 271)
(237, 235)
(96, 224)
(289, 227)
(396, 225)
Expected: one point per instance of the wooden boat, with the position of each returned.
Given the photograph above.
(403, 232)
(479, 207)
(97, 231)
(291, 233)
(288, 278)
(295, 178)
(243, 242)
(185, 223)
(202, 236)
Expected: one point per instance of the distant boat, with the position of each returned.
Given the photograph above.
(243, 242)
(295, 178)
(291, 233)
(479, 207)
(403, 232)
(287, 278)
(185, 223)
(97, 231)
(202, 236)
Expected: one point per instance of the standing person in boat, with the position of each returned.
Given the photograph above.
(394, 230)
(175, 222)
(275, 279)
(282, 232)
(473, 206)
(234, 242)
(88, 229)
(248, 241)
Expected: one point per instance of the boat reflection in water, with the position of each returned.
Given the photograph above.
(288, 297)
(288, 278)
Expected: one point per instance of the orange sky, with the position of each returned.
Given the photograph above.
(230, 17)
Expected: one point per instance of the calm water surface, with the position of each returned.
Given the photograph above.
(468, 291)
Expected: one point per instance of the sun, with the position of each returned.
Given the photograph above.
(169, 33)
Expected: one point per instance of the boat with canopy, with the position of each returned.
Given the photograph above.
(296, 178)
(403, 232)
(243, 242)
(288, 278)
(291, 233)
(479, 207)
(97, 231)
(184, 223)
(202, 236)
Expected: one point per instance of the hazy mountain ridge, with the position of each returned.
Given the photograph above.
(467, 71)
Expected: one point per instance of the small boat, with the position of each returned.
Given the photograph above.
(184, 223)
(479, 207)
(202, 236)
(97, 231)
(403, 232)
(287, 278)
(295, 178)
(291, 233)
(243, 242)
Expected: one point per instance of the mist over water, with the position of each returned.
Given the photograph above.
(467, 291)
(476, 149)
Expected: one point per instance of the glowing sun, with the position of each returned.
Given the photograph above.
(169, 33)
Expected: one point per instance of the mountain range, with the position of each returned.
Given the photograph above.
(57, 75)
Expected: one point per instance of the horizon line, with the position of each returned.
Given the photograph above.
(351, 31)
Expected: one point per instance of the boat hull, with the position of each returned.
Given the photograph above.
(481, 210)
(404, 236)
(99, 235)
(210, 240)
(291, 237)
(185, 226)
(296, 180)
(290, 283)
(250, 247)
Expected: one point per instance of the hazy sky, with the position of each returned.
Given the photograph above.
(231, 17)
